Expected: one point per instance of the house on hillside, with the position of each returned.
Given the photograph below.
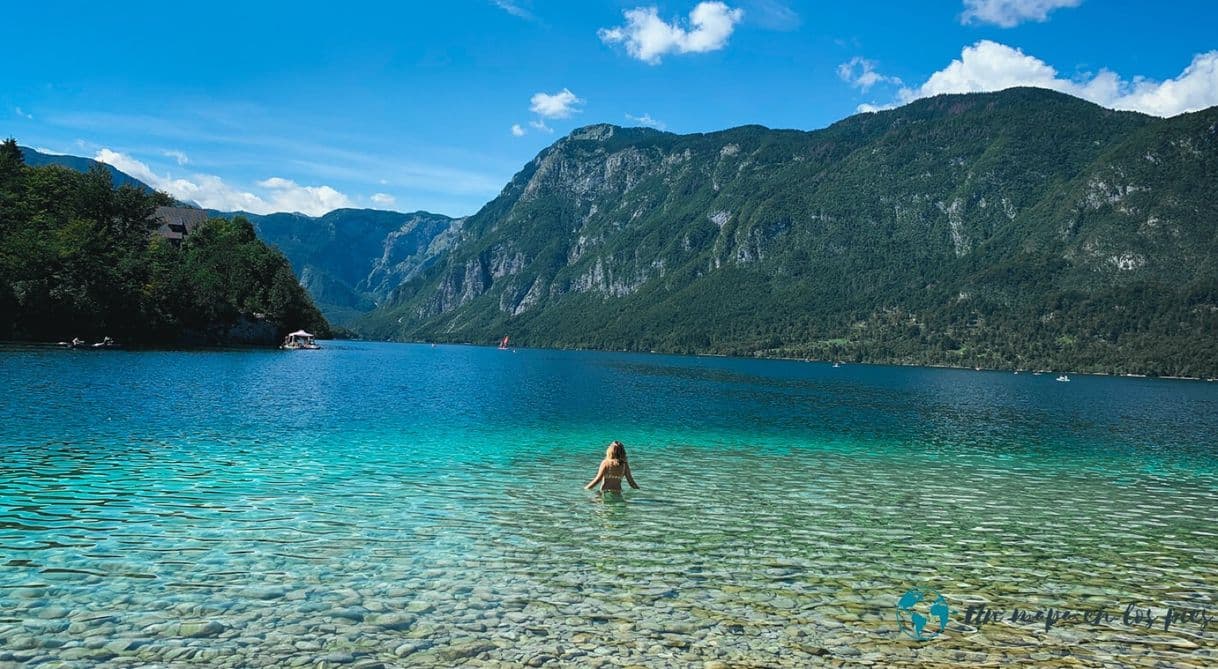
(177, 222)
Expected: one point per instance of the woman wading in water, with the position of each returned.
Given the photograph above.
(613, 469)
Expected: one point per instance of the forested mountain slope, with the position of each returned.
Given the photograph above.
(1023, 228)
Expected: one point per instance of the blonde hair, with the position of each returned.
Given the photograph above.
(616, 452)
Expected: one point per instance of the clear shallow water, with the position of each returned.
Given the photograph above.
(411, 505)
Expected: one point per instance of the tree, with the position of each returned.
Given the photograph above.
(11, 161)
(79, 257)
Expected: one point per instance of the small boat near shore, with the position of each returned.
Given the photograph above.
(77, 342)
(300, 341)
(1064, 378)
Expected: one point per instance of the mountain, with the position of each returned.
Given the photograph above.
(35, 158)
(351, 259)
(1017, 229)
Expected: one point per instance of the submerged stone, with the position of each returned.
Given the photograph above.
(266, 592)
(353, 613)
(411, 647)
(393, 621)
(466, 650)
(200, 629)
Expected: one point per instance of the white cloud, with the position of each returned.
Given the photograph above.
(49, 152)
(1196, 88)
(179, 156)
(517, 131)
(440, 177)
(868, 107)
(287, 195)
(1010, 13)
(23, 114)
(773, 15)
(860, 73)
(990, 66)
(210, 191)
(383, 199)
(540, 124)
(646, 120)
(513, 8)
(558, 105)
(648, 37)
(213, 193)
(131, 166)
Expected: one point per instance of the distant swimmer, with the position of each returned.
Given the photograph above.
(613, 469)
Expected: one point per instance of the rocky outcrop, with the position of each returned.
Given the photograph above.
(407, 251)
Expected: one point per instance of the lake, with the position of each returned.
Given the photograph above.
(395, 504)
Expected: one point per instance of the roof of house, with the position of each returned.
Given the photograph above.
(177, 222)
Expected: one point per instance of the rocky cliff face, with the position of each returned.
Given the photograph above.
(931, 223)
(350, 260)
(408, 250)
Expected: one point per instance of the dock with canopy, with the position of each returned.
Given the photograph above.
(300, 339)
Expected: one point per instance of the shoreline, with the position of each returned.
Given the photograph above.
(1012, 370)
(11, 343)
(137, 348)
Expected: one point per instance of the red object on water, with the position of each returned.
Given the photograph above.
(503, 344)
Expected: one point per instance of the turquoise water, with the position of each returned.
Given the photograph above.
(399, 505)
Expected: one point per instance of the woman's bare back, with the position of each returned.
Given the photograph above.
(610, 475)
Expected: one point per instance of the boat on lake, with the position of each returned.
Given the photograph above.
(77, 342)
(1064, 378)
(300, 340)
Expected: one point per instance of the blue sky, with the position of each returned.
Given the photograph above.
(309, 106)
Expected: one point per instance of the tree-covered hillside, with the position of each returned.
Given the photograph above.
(349, 260)
(78, 259)
(1020, 229)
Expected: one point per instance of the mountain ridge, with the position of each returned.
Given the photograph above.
(926, 234)
(907, 235)
(36, 158)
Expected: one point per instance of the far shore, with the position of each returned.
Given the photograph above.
(762, 356)
(759, 356)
